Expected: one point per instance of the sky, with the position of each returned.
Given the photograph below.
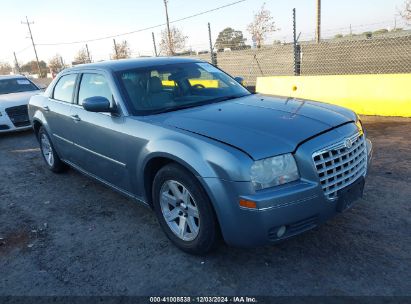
(58, 21)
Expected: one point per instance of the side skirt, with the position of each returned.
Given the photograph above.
(117, 189)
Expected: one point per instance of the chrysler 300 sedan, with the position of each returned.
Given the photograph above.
(183, 137)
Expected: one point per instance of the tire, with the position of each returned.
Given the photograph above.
(49, 154)
(184, 210)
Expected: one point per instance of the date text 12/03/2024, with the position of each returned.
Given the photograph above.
(239, 299)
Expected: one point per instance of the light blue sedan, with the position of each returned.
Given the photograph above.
(184, 138)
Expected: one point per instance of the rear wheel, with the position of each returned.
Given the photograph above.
(50, 156)
(184, 210)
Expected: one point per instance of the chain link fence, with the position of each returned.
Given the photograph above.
(363, 54)
(251, 63)
(367, 53)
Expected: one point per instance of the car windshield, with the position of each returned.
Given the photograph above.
(16, 85)
(177, 86)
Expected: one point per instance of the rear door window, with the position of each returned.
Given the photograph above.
(64, 89)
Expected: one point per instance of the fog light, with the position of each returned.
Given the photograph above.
(281, 231)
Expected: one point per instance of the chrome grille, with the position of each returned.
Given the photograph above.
(341, 164)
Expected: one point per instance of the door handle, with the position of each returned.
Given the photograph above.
(75, 117)
(46, 109)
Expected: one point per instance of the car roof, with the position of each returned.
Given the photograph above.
(11, 76)
(125, 64)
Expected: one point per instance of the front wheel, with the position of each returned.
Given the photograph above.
(50, 156)
(184, 210)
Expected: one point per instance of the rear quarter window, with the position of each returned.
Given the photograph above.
(64, 89)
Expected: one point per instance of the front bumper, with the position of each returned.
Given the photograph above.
(298, 206)
(7, 125)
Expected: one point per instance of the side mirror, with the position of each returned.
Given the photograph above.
(240, 80)
(97, 104)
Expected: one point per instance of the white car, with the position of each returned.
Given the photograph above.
(15, 93)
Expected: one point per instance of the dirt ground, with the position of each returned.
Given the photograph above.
(69, 235)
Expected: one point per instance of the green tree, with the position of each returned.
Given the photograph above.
(367, 35)
(381, 31)
(31, 68)
(230, 38)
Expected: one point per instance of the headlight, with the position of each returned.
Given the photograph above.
(359, 125)
(274, 171)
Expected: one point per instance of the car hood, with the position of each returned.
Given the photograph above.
(16, 99)
(260, 126)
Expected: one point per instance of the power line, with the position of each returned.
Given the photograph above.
(146, 28)
(22, 50)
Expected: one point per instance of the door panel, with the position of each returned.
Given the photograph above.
(99, 147)
(60, 123)
(57, 111)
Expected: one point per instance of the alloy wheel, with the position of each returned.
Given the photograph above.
(47, 149)
(179, 210)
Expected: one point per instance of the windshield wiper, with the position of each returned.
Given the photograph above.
(224, 98)
(177, 108)
(193, 105)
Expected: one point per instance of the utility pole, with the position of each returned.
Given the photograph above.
(115, 48)
(154, 43)
(168, 30)
(213, 57)
(318, 27)
(295, 41)
(62, 63)
(297, 48)
(88, 54)
(34, 45)
(350, 30)
(16, 62)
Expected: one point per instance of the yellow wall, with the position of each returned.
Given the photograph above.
(204, 82)
(384, 94)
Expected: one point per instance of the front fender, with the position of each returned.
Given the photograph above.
(203, 157)
(188, 156)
